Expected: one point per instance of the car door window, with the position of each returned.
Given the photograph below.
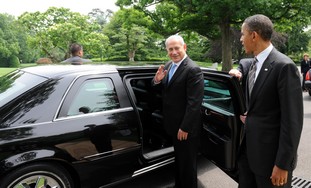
(217, 95)
(94, 95)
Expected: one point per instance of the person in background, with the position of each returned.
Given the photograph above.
(274, 117)
(304, 68)
(76, 51)
(182, 94)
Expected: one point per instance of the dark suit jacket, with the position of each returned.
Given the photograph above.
(182, 98)
(76, 60)
(304, 66)
(275, 116)
(243, 67)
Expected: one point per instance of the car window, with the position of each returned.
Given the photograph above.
(16, 83)
(94, 95)
(217, 95)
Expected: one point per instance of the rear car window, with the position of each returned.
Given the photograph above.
(94, 95)
(16, 83)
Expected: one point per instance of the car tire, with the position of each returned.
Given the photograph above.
(50, 175)
(309, 92)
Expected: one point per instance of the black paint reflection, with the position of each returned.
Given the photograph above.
(25, 103)
(6, 81)
(16, 133)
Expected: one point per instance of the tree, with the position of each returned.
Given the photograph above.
(209, 17)
(56, 29)
(9, 47)
(128, 32)
(100, 17)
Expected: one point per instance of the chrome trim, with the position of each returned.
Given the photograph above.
(113, 152)
(119, 110)
(155, 166)
(73, 81)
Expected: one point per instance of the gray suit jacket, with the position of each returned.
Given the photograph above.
(275, 116)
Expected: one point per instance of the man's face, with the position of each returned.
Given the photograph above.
(247, 39)
(176, 50)
(80, 54)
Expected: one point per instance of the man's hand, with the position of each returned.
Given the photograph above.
(243, 117)
(235, 73)
(160, 74)
(182, 135)
(279, 176)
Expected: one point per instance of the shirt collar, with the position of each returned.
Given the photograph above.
(262, 56)
(178, 63)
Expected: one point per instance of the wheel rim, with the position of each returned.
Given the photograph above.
(38, 179)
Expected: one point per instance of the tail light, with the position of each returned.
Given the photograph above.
(308, 75)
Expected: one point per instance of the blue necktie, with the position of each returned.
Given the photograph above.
(171, 73)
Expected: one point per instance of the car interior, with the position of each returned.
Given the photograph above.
(148, 102)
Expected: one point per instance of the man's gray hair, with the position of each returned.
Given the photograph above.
(177, 37)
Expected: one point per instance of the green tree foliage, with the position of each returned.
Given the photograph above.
(56, 29)
(212, 18)
(129, 34)
(9, 46)
(13, 61)
(100, 17)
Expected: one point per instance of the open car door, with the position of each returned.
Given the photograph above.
(222, 133)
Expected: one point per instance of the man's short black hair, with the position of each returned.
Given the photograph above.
(260, 24)
(75, 48)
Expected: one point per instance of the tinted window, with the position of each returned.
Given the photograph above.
(30, 106)
(217, 94)
(94, 96)
(16, 83)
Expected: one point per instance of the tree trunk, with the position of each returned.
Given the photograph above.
(131, 55)
(226, 45)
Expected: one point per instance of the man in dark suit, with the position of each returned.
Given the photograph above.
(274, 117)
(304, 68)
(76, 51)
(182, 94)
(243, 69)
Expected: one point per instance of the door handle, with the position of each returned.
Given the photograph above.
(207, 112)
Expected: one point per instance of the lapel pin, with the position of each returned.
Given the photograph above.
(266, 69)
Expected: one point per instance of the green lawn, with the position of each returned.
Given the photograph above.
(4, 71)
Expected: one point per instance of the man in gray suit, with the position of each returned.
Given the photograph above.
(76, 51)
(182, 94)
(274, 117)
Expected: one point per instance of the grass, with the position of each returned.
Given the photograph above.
(4, 71)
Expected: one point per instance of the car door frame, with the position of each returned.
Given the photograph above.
(121, 121)
(223, 131)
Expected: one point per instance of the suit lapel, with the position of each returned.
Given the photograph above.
(262, 76)
(179, 70)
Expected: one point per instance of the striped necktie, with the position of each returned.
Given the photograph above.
(251, 76)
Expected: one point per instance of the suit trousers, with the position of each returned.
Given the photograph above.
(248, 179)
(186, 162)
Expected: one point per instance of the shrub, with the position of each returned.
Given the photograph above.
(14, 61)
(44, 60)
